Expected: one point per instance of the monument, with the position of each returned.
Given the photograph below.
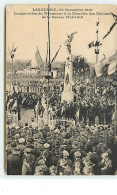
(68, 94)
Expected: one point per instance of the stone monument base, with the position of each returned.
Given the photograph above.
(67, 96)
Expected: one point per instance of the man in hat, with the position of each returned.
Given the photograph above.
(64, 163)
(28, 163)
(14, 163)
(41, 168)
(48, 154)
(77, 163)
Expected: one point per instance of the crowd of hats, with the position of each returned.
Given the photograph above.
(72, 150)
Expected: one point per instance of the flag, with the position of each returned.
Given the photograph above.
(112, 68)
(97, 43)
(113, 63)
(99, 67)
(111, 28)
(97, 23)
(56, 54)
(39, 62)
(28, 63)
(14, 50)
(113, 58)
(91, 44)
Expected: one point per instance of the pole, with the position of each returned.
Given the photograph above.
(48, 35)
(48, 103)
(115, 119)
(115, 85)
(12, 73)
(49, 67)
(97, 53)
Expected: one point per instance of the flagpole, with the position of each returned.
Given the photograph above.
(12, 73)
(97, 53)
(48, 64)
(48, 35)
(115, 90)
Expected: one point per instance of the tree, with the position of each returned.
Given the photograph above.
(80, 66)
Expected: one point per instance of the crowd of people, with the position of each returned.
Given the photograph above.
(70, 150)
(86, 148)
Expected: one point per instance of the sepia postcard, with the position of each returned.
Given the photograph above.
(61, 90)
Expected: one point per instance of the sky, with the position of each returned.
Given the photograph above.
(29, 31)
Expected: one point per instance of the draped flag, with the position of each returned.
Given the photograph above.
(91, 44)
(107, 66)
(97, 43)
(28, 63)
(112, 68)
(13, 51)
(113, 58)
(56, 55)
(99, 67)
(113, 64)
(38, 59)
(111, 28)
(97, 23)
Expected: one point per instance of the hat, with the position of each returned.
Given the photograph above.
(75, 142)
(35, 136)
(48, 134)
(26, 124)
(77, 154)
(29, 139)
(40, 141)
(46, 145)
(62, 147)
(21, 140)
(28, 150)
(104, 147)
(57, 131)
(13, 144)
(17, 136)
(16, 150)
(104, 155)
(65, 153)
(30, 146)
(50, 141)
(9, 140)
(41, 162)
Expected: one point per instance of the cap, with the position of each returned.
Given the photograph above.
(77, 154)
(41, 162)
(28, 150)
(46, 145)
(65, 153)
(21, 140)
(57, 131)
(17, 136)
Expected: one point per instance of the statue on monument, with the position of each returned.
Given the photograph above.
(67, 94)
(68, 41)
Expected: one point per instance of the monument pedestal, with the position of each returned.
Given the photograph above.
(67, 96)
